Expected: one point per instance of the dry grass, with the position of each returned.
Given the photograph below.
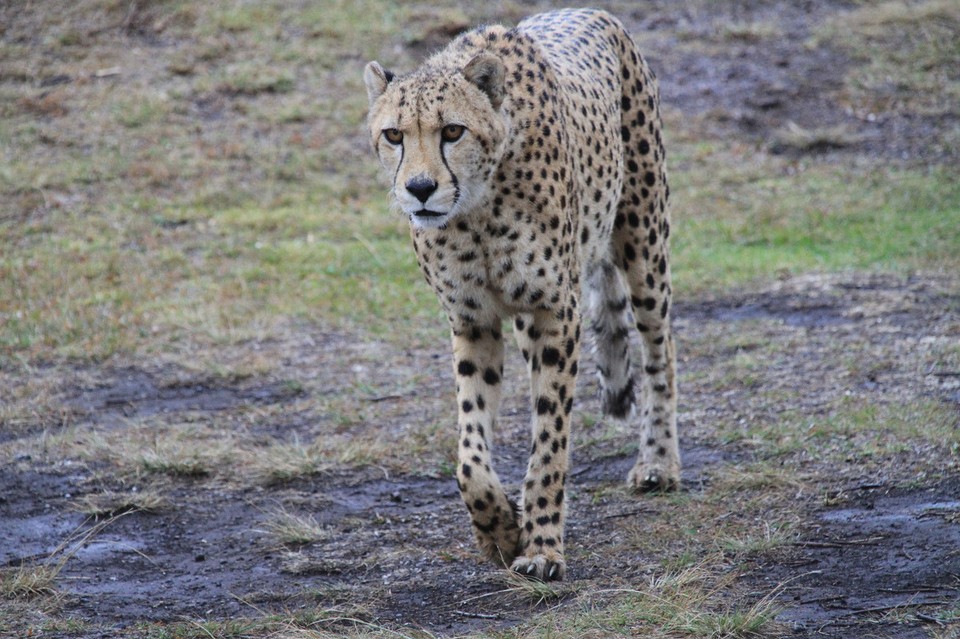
(691, 602)
(290, 528)
(27, 582)
(147, 447)
(216, 204)
(793, 137)
(32, 581)
(909, 57)
(282, 462)
(113, 502)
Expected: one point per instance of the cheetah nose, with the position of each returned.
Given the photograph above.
(421, 187)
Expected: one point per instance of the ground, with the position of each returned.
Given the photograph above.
(244, 446)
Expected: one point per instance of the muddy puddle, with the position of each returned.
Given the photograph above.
(881, 557)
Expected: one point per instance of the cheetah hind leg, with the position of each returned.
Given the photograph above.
(658, 465)
(609, 310)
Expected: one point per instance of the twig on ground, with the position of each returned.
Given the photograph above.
(866, 541)
(906, 604)
(476, 615)
(923, 617)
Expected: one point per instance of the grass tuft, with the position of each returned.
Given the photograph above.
(289, 528)
(28, 582)
(534, 590)
(113, 503)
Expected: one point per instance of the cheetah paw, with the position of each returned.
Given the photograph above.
(540, 567)
(648, 478)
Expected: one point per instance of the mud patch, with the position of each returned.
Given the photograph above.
(132, 393)
(884, 557)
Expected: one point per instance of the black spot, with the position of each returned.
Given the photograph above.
(466, 368)
(543, 406)
(550, 356)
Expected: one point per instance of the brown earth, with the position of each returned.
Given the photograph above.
(399, 549)
(874, 548)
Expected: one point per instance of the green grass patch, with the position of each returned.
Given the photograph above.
(855, 429)
(169, 237)
(828, 218)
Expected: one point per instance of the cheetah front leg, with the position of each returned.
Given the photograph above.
(551, 347)
(478, 365)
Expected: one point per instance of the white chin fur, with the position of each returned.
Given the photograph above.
(429, 222)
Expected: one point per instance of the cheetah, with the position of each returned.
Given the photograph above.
(530, 164)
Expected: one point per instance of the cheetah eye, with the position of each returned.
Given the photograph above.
(394, 136)
(452, 132)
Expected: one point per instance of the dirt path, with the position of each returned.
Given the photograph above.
(851, 531)
(398, 549)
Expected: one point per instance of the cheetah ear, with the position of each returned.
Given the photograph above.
(376, 78)
(487, 73)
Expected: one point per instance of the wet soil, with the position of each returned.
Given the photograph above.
(868, 561)
(875, 557)
(882, 555)
(730, 78)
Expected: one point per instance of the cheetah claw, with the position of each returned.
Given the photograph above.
(539, 568)
(648, 479)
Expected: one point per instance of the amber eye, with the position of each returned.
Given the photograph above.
(451, 132)
(394, 136)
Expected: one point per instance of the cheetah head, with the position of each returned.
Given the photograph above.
(440, 133)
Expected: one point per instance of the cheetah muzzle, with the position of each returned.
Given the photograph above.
(530, 164)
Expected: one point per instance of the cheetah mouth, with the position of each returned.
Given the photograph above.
(428, 213)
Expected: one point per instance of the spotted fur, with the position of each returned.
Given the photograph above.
(530, 164)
